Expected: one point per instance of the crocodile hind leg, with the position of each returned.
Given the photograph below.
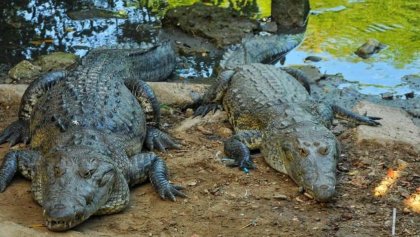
(18, 131)
(146, 97)
(149, 165)
(359, 119)
(24, 161)
(237, 148)
(211, 100)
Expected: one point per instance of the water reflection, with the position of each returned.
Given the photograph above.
(44, 26)
(336, 28)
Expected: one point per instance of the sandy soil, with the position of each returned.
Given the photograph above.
(227, 202)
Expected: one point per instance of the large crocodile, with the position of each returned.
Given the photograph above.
(86, 130)
(271, 111)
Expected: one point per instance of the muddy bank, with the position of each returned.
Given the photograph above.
(227, 202)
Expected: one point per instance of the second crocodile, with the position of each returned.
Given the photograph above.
(271, 111)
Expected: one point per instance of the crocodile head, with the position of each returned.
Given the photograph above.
(73, 185)
(308, 153)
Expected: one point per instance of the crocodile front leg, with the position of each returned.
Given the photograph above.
(145, 95)
(237, 148)
(24, 161)
(18, 131)
(359, 119)
(149, 165)
(158, 139)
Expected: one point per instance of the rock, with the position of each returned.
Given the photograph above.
(387, 96)
(290, 14)
(174, 94)
(409, 95)
(178, 94)
(25, 70)
(313, 59)
(268, 27)
(396, 126)
(56, 60)
(10, 94)
(369, 48)
(217, 117)
(224, 132)
(210, 22)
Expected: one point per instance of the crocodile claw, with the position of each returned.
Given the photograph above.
(160, 140)
(16, 132)
(202, 110)
(243, 164)
(170, 191)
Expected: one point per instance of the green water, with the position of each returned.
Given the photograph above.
(339, 27)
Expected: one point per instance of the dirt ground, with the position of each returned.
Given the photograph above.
(228, 202)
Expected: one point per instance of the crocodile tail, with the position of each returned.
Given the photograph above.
(260, 49)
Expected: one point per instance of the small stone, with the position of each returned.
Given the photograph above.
(204, 130)
(347, 216)
(280, 196)
(387, 96)
(371, 211)
(189, 112)
(409, 95)
(224, 132)
(192, 183)
(268, 27)
(313, 59)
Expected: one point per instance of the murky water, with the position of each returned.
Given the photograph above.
(336, 29)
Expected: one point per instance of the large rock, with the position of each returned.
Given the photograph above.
(396, 126)
(56, 60)
(10, 94)
(173, 94)
(221, 25)
(25, 70)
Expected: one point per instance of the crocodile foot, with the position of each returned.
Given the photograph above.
(202, 110)
(159, 179)
(244, 164)
(16, 132)
(160, 140)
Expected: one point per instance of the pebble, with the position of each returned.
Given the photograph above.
(347, 216)
(280, 196)
(224, 132)
(313, 59)
(387, 96)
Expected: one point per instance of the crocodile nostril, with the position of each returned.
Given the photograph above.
(323, 150)
(323, 187)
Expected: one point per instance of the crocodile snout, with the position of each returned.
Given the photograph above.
(60, 216)
(324, 193)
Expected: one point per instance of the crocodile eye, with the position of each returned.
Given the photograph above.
(106, 177)
(303, 152)
(88, 173)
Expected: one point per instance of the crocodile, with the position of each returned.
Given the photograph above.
(86, 131)
(273, 112)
